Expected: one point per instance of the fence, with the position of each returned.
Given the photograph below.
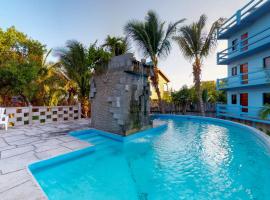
(170, 107)
(42, 114)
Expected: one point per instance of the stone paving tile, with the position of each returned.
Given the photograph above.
(16, 151)
(75, 144)
(7, 147)
(45, 148)
(25, 191)
(5, 134)
(25, 141)
(13, 179)
(52, 152)
(2, 143)
(14, 138)
(17, 162)
(47, 142)
(21, 146)
(66, 138)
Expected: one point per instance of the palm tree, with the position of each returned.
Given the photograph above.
(155, 42)
(54, 85)
(116, 45)
(195, 44)
(74, 59)
(78, 64)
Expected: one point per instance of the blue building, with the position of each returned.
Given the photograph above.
(248, 61)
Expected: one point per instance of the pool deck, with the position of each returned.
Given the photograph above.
(23, 145)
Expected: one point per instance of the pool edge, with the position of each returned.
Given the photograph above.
(261, 135)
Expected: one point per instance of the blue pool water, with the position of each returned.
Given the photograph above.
(189, 159)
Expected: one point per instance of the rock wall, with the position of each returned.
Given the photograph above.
(120, 97)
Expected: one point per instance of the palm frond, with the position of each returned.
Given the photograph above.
(151, 36)
(46, 57)
(210, 41)
(265, 112)
(194, 42)
(136, 31)
(165, 46)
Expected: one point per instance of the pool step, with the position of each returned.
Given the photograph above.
(81, 133)
(106, 147)
(89, 137)
(100, 142)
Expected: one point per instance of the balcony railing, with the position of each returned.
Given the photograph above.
(241, 14)
(245, 79)
(245, 46)
(241, 112)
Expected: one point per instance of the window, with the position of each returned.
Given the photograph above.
(234, 45)
(165, 87)
(244, 42)
(266, 98)
(244, 72)
(234, 71)
(244, 101)
(234, 99)
(266, 62)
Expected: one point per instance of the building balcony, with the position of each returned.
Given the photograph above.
(241, 112)
(255, 78)
(243, 17)
(246, 47)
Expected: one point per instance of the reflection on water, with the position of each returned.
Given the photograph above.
(215, 147)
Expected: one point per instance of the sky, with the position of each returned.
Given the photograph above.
(53, 22)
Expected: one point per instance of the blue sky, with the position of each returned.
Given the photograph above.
(53, 22)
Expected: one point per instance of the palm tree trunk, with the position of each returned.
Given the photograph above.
(197, 82)
(155, 81)
(85, 106)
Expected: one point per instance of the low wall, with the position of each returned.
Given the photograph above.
(42, 114)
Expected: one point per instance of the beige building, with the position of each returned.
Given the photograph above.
(163, 87)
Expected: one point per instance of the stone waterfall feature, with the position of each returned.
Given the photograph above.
(120, 96)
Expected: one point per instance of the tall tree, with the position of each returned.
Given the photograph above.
(20, 61)
(196, 44)
(78, 63)
(17, 48)
(154, 40)
(182, 98)
(74, 58)
(116, 45)
(54, 85)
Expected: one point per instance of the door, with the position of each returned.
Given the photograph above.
(244, 73)
(244, 42)
(244, 101)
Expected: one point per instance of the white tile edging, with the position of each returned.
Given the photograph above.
(35, 181)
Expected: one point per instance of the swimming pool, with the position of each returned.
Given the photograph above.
(190, 158)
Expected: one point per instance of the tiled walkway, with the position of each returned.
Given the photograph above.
(26, 144)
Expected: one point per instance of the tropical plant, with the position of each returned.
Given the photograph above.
(182, 97)
(265, 111)
(19, 80)
(18, 48)
(54, 85)
(195, 44)
(74, 59)
(154, 40)
(78, 63)
(116, 45)
(98, 58)
(20, 61)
